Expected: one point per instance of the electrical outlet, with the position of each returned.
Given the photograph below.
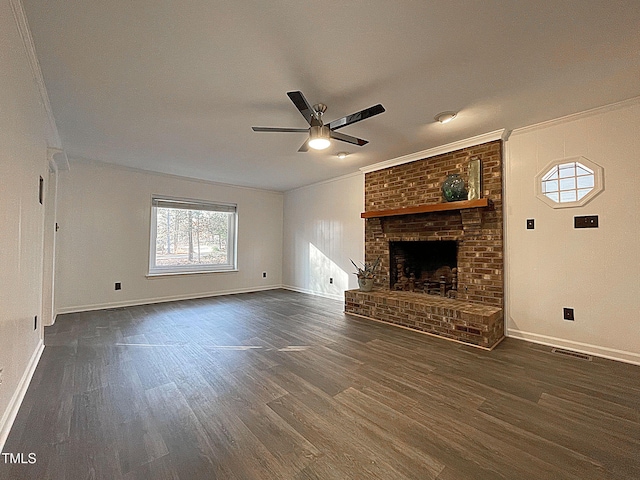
(118, 286)
(35, 322)
(331, 280)
(264, 274)
(568, 314)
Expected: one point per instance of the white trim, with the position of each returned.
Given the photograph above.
(58, 158)
(30, 49)
(598, 351)
(506, 229)
(53, 165)
(172, 298)
(187, 272)
(201, 269)
(9, 416)
(330, 180)
(576, 116)
(432, 152)
(312, 292)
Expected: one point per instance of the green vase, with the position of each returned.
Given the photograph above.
(453, 188)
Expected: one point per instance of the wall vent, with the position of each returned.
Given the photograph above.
(569, 353)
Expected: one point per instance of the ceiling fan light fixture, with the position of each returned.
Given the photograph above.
(445, 117)
(319, 137)
(319, 143)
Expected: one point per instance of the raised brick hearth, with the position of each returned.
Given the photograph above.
(480, 325)
(477, 232)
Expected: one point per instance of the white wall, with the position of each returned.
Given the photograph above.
(322, 231)
(104, 215)
(594, 271)
(23, 159)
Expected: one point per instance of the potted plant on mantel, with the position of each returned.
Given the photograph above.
(366, 274)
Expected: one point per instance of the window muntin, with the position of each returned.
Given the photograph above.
(569, 182)
(192, 236)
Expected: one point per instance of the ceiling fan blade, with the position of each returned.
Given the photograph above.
(278, 129)
(356, 117)
(304, 147)
(301, 104)
(348, 138)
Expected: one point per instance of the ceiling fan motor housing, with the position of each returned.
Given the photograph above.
(319, 131)
(319, 136)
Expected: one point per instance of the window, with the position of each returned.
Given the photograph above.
(570, 182)
(192, 236)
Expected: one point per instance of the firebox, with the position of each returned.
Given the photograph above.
(424, 266)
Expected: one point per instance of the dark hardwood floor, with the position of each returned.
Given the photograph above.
(283, 385)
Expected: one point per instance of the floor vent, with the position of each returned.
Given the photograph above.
(569, 353)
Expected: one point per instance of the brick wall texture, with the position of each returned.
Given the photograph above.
(478, 232)
(480, 325)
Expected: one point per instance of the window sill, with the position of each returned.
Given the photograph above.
(195, 272)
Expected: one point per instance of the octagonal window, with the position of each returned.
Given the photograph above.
(570, 182)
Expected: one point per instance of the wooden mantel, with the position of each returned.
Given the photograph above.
(434, 207)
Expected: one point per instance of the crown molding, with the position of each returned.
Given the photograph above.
(323, 182)
(577, 116)
(58, 160)
(432, 152)
(20, 16)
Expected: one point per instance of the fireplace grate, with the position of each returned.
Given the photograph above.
(569, 353)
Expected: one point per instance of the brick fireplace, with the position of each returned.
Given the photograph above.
(403, 204)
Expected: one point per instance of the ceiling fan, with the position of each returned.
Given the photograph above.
(320, 135)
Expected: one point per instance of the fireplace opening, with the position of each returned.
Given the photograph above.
(424, 266)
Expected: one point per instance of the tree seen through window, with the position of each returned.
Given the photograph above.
(191, 237)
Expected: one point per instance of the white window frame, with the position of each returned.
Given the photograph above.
(193, 204)
(598, 182)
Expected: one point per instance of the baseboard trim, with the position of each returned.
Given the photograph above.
(11, 412)
(312, 292)
(595, 350)
(173, 298)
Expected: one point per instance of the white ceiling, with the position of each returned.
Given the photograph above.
(175, 86)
